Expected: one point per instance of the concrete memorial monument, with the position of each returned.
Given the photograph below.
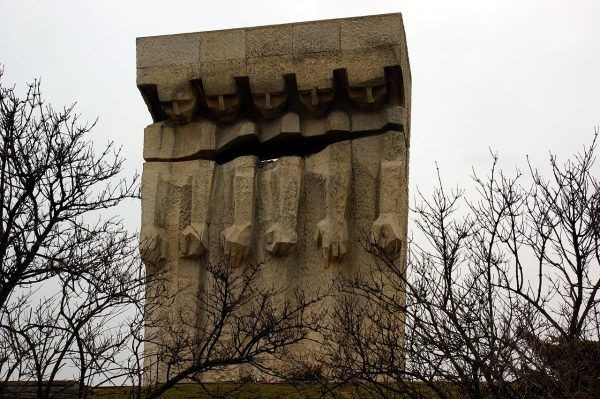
(284, 143)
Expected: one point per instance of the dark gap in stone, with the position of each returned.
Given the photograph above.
(247, 108)
(150, 95)
(291, 144)
(395, 85)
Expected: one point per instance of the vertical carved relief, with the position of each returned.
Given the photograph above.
(332, 231)
(386, 229)
(284, 183)
(153, 244)
(193, 241)
(237, 237)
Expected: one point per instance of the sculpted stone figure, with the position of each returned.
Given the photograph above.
(284, 181)
(332, 231)
(152, 235)
(387, 229)
(237, 237)
(193, 241)
(287, 144)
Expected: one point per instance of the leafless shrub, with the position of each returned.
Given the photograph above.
(499, 299)
(75, 299)
(234, 320)
(66, 271)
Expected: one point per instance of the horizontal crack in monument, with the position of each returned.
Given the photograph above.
(328, 100)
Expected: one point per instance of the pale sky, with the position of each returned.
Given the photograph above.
(519, 77)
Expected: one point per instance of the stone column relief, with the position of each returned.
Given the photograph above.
(237, 237)
(386, 229)
(285, 145)
(193, 241)
(153, 243)
(332, 231)
(284, 183)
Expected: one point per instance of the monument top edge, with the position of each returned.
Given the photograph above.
(327, 20)
(264, 66)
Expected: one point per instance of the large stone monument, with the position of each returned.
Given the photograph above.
(284, 143)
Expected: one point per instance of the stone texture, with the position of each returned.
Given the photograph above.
(237, 131)
(153, 245)
(372, 31)
(168, 50)
(170, 79)
(266, 73)
(310, 50)
(367, 64)
(372, 121)
(338, 121)
(251, 165)
(193, 241)
(206, 139)
(237, 238)
(218, 76)
(284, 182)
(316, 37)
(268, 41)
(316, 69)
(163, 141)
(386, 229)
(223, 45)
(334, 165)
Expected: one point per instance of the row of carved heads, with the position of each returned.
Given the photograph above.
(190, 100)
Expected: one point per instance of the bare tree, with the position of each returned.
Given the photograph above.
(499, 298)
(75, 299)
(235, 319)
(66, 270)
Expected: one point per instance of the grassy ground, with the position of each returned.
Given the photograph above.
(250, 391)
(257, 391)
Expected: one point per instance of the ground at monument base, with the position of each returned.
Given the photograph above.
(249, 391)
(184, 391)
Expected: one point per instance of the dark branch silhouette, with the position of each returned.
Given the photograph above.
(499, 299)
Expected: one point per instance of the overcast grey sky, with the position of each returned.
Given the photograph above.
(520, 77)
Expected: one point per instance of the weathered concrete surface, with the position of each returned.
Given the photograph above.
(285, 143)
